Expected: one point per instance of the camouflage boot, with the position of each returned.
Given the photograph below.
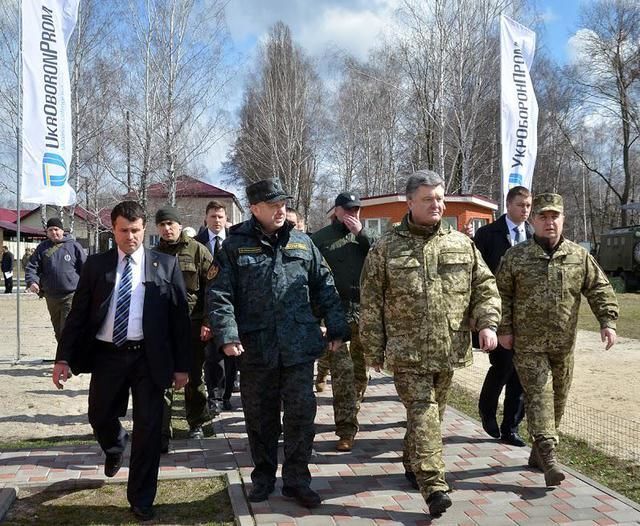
(546, 459)
(533, 460)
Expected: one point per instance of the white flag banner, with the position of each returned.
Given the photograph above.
(46, 115)
(518, 105)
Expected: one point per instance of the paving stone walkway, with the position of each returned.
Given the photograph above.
(491, 482)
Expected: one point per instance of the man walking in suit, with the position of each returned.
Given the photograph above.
(220, 370)
(493, 240)
(128, 326)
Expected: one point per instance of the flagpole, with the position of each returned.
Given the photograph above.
(19, 176)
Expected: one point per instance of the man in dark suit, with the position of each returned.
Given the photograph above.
(128, 326)
(220, 370)
(493, 240)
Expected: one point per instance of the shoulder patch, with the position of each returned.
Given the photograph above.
(296, 246)
(250, 250)
(214, 269)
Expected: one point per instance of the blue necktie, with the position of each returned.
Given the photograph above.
(516, 238)
(121, 320)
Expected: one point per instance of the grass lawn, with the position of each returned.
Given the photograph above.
(628, 325)
(619, 475)
(190, 501)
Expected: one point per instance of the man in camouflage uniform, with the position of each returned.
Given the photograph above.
(194, 260)
(266, 279)
(540, 282)
(345, 244)
(424, 286)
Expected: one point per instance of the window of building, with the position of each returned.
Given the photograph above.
(452, 221)
(154, 239)
(478, 222)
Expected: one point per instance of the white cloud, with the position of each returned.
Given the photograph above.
(548, 16)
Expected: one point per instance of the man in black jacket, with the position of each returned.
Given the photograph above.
(128, 326)
(493, 240)
(269, 287)
(7, 269)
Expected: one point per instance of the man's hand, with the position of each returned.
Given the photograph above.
(60, 374)
(34, 287)
(334, 345)
(488, 339)
(468, 229)
(205, 334)
(180, 380)
(506, 340)
(233, 349)
(352, 223)
(608, 335)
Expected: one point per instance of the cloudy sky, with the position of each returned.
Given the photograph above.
(354, 26)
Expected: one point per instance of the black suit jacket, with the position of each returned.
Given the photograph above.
(493, 240)
(203, 237)
(165, 317)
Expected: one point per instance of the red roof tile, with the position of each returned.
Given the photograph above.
(186, 186)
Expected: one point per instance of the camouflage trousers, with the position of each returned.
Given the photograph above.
(195, 395)
(263, 392)
(546, 380)
(424, 396)
(324, 365)
(349, 380)
(59, 308)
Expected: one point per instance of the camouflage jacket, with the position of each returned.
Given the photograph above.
(194, 260)
(263, 293)
(345, 253)
(541, 295)
(420, 295)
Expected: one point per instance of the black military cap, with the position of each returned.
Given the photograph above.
(348, 200)
(267, 190)
(167, 214)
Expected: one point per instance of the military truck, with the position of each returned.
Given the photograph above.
(619, 255)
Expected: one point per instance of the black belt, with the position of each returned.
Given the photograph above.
(129, 345)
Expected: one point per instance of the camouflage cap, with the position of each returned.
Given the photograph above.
(267, 190)
(544, 202)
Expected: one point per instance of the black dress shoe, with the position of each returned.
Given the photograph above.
(304, 495)
(113, 462)
(411, 477)
(490, 425)
(226, 405)
(143, 513)
(260, 492)
(196, 433)
(513, 439)
(438, 503)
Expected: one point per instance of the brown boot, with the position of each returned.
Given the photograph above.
(546, 458)
(344, 444)
(321, 383)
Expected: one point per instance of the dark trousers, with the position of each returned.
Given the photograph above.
(502, 374)
(8, 285)
(263, 391)
(115, 372)
(214, 372)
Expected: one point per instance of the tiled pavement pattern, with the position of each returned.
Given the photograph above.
(491, 483)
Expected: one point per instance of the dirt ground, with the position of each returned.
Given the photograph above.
(31, 407)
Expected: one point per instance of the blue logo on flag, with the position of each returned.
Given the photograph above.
(515, 179)
(54, 170)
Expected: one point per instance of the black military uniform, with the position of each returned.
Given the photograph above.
(262, 296)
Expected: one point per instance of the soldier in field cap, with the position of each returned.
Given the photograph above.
(265, 280)
(345, 244)
(541, 282)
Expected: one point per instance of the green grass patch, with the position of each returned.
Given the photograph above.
(628, 325)
(619, 475)
(186, 501)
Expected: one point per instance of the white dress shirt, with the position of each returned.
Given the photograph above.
(212, 239)
(134, 328)
(512, 235)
